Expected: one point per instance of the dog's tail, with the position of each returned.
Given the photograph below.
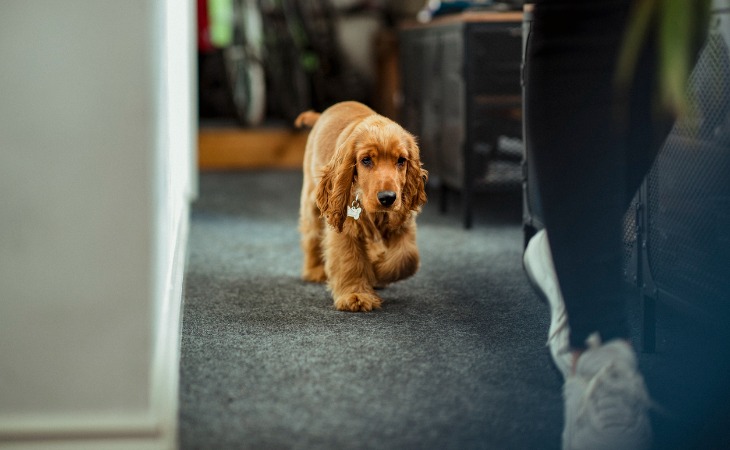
(306, 119)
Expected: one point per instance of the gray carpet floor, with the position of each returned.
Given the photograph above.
(455, 359)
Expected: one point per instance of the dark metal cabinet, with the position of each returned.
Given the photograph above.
(681, 231)
(462, 98)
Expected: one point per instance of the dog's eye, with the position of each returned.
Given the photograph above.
(367, 161)
(401, 161)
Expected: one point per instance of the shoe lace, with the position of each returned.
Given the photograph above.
(616, 398)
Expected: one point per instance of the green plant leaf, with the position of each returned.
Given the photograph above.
(678, 26)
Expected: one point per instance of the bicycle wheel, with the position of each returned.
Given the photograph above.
(247, 85)
(246, 79)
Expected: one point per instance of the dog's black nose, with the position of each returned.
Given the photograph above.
(386, 198)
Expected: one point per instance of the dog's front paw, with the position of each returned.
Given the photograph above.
(315, 274)
(360, 301)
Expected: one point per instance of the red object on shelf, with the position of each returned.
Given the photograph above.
(204, 44)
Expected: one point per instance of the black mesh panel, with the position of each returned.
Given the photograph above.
(689, 190)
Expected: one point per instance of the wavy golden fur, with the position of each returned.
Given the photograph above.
(355, 157)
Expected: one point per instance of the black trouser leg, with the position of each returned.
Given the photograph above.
(590, 152)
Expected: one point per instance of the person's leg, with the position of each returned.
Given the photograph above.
(590, 153)
(589, 158)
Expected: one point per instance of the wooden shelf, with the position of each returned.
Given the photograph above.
(224, 148)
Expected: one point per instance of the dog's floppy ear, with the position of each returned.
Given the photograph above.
(414, 191)
(333, 190)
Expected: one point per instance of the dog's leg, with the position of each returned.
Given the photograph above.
(350, 273)
(311, 228)
(400, 260)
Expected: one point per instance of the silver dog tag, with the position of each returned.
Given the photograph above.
(354, 210)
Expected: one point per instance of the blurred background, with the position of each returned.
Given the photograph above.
(448, 71)
(265, 61)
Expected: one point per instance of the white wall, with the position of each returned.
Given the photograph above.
(96, 146)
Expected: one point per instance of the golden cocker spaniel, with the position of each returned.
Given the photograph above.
(363, 187)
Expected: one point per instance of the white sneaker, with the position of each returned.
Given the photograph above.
(538, 264)
(606, 401)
